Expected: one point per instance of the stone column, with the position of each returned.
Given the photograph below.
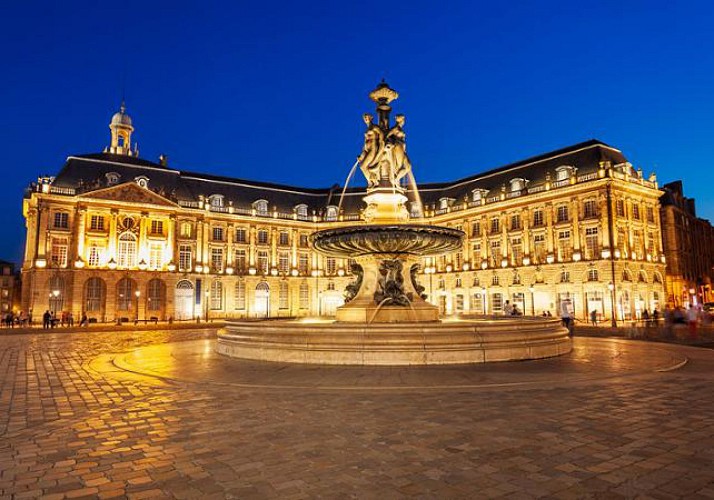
(504, 236)
(526, 223)
(31, 237)
(293, 247)
(549, 215)
(273, 248)
(576, 224)
(42, 233)
(251, 245)
(205, 237)
(143, 239)
(230, 238)
(170, 253)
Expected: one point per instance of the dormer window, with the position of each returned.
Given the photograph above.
(331, 213)
(112, 178)
(301, 211)
(415, 210)
(518, 184)
(261, 207)
(215, 200)
(564, 172)
(142, 181)
(445, 203)
(478, 194)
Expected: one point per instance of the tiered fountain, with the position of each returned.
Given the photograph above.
(386, 319)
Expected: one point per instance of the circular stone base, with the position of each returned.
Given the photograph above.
(437, 343)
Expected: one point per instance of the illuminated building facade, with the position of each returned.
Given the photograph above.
(689, 248)
(121, 238)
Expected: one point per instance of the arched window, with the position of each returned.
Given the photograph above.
(239, 299)
(125, 294)
(216, 200)
(155, 295)
(304, 295)
(261, 207)
(126, 253)
(656, 278)
(216, 296)
(517, 184)
(56, 294)
(564, 172)
(94, 293)
(331, 213)
(642, 277)
(626, 276)
(301, 211)
(142, 181)
(494, 280)
(478, 194)
(112, 178)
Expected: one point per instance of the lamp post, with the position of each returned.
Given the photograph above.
(483, 300)
(611, 287)
(138, 294)
(430, 271)
(532, 290)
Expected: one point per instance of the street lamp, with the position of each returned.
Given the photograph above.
(483, 300)
(138, 294)
(532, 290)
(611, 287)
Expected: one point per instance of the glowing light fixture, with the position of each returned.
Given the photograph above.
(171, 266)
(40, 263)
(142, 264)
(229, 270)
(112, 264)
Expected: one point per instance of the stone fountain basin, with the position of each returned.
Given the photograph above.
(427, 343)
(409, 239)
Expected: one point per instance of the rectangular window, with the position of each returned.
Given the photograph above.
(620, 208)
(515, 222)
(284, 262)
(96, 223)
(304, 240)
(495, 225)
(495, 255)
(61, 220)
(303, 263)
(156, 253)
(516, 251)
(239, 261)
(476, 253)
(539, 248)
(496, 303)
(283, 238)
(459, 303)
(217, 234)
(239, 302)
(59, 250)
(650, 214)
(283, 295)
(651, 244)
(475, 229)
(216, 296)
(241, 235)
(304, 296)
(263, 261)
(637, 243)
(562, 214)
(185, 230)
(95, 255)
(589, 209)
(592, 248)
(185, 260)
(157, 227)
(622, 242)
(331, 265)
(636, 211)
(263, 237)
(538, 218)
(565, 248)
(217, 259)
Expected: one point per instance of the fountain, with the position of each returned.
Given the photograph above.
(386, 319)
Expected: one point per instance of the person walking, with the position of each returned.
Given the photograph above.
(566, 315)
(692, 319)
(508, 309)
(46, 318)
(593, 317)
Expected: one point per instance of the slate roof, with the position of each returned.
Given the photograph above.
(88, 172)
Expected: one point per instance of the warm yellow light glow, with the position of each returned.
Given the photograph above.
(40, 263)
(576, 256)
(229, 270)
(449, 268)
(199, 268)
(484, 264)
(550, 258)
(171, 267)
(274, 272)
(252, 271)
(294, 272)
(504, 263)
(112, 264)
(526, 261)
(340, 272)
(466, 266)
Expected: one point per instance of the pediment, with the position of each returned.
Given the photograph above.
(129, 192)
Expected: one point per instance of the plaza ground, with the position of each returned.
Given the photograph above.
(157, 414)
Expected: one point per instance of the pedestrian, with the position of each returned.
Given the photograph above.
(692, 319)
(46, 318)
(646, 318)
(508, 309)
(53, 319)
(84, 321)
(70, 319)
(567, 315)
(593, 317)
(548, 314)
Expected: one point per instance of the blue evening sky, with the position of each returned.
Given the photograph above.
(274, 91)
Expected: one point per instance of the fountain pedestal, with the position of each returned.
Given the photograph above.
(364, 309)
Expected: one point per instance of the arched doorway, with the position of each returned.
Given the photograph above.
(262, 300)
(183, 300)
(57, 294)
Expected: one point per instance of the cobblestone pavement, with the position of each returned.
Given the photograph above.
(159, 415)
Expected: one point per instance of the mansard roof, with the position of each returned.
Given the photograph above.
(90, 172)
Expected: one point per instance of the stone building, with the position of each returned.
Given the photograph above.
(688, 246)
(122, 238)
(8, 287)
